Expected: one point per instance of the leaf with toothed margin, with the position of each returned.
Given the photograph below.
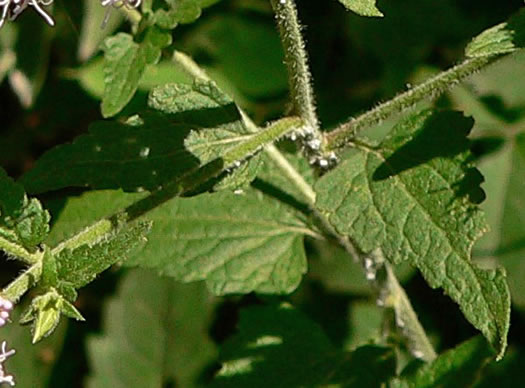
(45, 311)
(277, 346)
(78, 267)
(23, 221)
(237, 243)
(209, 143)
(504, 38)
(124, 65)
(362, 7)
(415, 196)
(143, 154)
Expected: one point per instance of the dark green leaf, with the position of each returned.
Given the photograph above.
(23, 221)
(80, 266)
(125, 62)
(123, 68)
(237, 243)
(415, 198)
(501, 39)
(276, 346)
(245, 52)
(116, 155)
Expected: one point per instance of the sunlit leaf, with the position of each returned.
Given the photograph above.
(414, 196)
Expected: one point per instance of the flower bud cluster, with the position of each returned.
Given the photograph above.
(6, 307)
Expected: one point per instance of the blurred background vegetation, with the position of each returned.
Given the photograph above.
(53, 93)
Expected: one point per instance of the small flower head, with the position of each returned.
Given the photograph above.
(5, 309)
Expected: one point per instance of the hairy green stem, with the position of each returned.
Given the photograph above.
(392, 295)
(296, 59)
(429, 89)
(14, 291)
(300, 79)
(18, 251)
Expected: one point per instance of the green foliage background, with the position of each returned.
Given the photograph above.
(178, 334)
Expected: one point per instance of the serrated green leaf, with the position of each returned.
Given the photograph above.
(177, 98)
(124, 64)
(23, 221)
(459, 367)
(210, 143)
(237, 243)
(501, 39)
(32, 224)
(276, 346)
(123, 68)
(116, 155)
(11, 195)
(46, 312)
(362, 7)
(80, 266)
(414, 197)
(154, 334)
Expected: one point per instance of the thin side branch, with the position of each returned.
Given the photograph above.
(429, 89)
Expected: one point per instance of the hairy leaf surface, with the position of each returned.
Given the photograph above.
(237, 243)
(80, 266)
(227, 131)
(277, 346)
(415, 197)
(153, 333)
(23, 221)
(125, 62)
(504, 38)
